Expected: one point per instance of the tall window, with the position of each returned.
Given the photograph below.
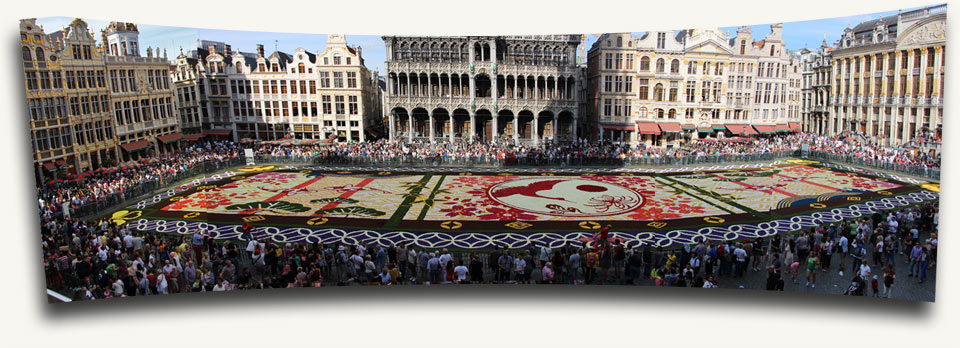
(628, 86)
(351, 79)
(660, 65)
(327, 107)
(337, 79)
(629, 61)
(675, 66)
(324, 79)
(658, 92)
(618, 84)
(339, 104)
(644, 89)
(353, 105)
(691, 91)
(661, 40)
(607, 84)
(674, 87)
(645, 63)
(608, 60)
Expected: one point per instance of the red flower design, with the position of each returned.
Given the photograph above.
(508, 214)
(653, 213)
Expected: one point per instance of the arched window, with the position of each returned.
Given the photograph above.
(660, 65)
(300, 68)
(643, 112)
(645, 63)
(26, 54)
(658, 92)
(672, 114)
(675, 67)
(660, 113)
(39, 54)
(239, 68)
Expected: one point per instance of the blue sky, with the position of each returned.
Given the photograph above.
(796, 35)
(171, 38)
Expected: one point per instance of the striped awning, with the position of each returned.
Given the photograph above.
(136, 146)
(670, 128)
(737, 129)
(218, 132)
(169, 138)
(648, 128)
(705, 129)
(626, 127)
(782, 128)
(766, 129)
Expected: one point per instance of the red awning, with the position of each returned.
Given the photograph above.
(670, 128)
(736, 129)
(169, 138)
(747, 130)
(648, 128)
(193, 137)
(705, 129)
(794, 126)
(688, 127)
(49, 166)
(766, 129)
(136, 146)
(628, 127)
(782, 128)
(218, 132)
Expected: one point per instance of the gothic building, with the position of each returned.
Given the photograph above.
(517, 89)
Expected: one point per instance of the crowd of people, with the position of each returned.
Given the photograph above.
(96, 186)
(95, 260)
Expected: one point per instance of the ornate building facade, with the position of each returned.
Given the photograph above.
(887, 77)
(302, 94)
(518, 89)
(816, 106)
(141, 93)
(67, 98)
(662, 88)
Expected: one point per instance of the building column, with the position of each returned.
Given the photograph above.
(554, 130)
(516, 129)
(536, 130)
(430, 117)
(494, 131)
(450, 121)
(393, 125)
(410, 126)
(473, 126)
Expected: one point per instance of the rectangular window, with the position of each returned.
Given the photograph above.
(353, 105)
(340, 105)
(644, 89)
(327, 106)
(618, 84)
(351, 79)
(337, 79)
(628, 87)
(607, 84)
(324, 79)
(608, 61)
(691, 91)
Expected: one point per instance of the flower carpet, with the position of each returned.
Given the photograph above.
(479, 209)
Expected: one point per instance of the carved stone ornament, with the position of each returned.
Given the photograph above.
(929, 32)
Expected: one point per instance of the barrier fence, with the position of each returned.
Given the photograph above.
(138, 192)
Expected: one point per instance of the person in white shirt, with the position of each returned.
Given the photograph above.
(461, 271)
(709, 283)
(518, 267)
(864, 270)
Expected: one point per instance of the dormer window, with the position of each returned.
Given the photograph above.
(262, 67)
(336, 60)
(274, 67)
(300, 68)
(239, 69)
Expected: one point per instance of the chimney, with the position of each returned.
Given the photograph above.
(360, 52)
(259, 50)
